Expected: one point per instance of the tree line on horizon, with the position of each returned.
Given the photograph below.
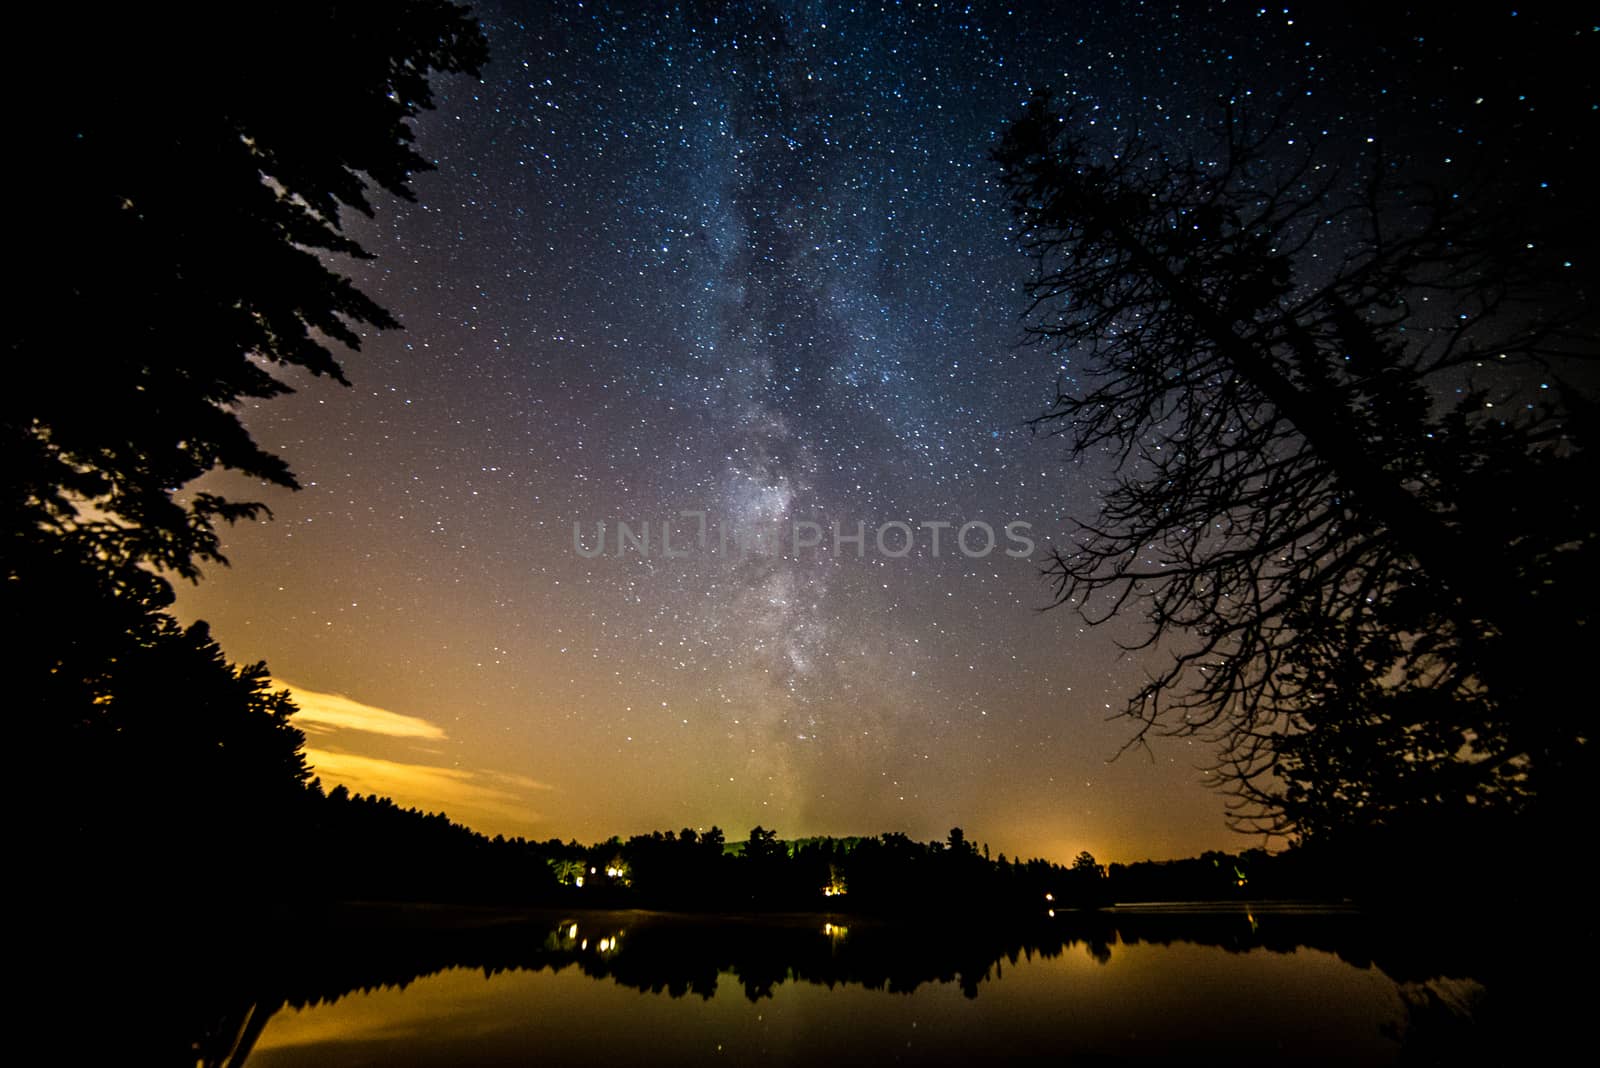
(370, 848)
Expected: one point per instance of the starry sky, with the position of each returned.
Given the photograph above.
(752, 260)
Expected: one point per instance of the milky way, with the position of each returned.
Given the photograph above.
(749, 261)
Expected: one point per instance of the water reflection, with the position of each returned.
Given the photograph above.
(440, 986)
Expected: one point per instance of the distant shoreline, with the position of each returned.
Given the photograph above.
(448, 916)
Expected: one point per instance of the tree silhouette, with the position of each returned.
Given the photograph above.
(764, 846)
(192, 181)
(194, 189)
(1365, 564)
(184, 767)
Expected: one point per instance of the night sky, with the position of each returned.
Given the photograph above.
(752, 260)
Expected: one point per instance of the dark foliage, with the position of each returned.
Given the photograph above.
(1368, 568)
(182, 248)
(189, 250)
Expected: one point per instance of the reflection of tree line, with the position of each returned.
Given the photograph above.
(685, 956)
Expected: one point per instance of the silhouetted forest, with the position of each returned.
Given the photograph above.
(369, 848)
(180, 275)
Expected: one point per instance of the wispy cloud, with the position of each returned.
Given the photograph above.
(321, 713)
(467, 796)
(341, 728)
(521, 782)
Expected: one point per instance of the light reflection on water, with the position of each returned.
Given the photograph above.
(657, 991)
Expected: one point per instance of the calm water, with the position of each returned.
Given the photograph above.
(1248, 987)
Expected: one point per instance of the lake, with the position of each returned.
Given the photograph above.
(1245, 985)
